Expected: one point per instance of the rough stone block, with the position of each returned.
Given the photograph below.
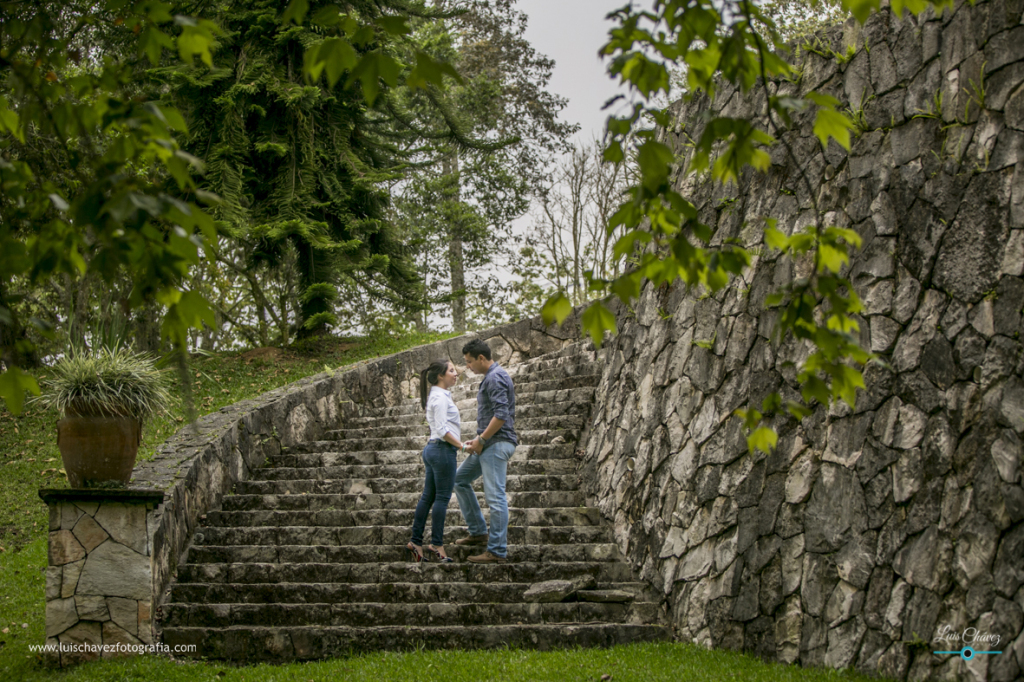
(69, 580)
(61, 614)
(65, 548)
(925, 560)
(113, 570)
(975, 240)
(89, 533)
(92, 608)
(121, 641)
(85, 633)
(125, 613)
(549, 591)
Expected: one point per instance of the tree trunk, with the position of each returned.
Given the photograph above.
(455, 258)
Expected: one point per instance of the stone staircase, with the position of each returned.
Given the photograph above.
(307, 560)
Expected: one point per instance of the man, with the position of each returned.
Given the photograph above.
(489, 456)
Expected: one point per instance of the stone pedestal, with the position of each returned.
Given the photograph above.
(99, 585)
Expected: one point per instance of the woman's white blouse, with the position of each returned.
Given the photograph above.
(442, 415)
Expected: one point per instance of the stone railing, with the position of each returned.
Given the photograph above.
(148, 527)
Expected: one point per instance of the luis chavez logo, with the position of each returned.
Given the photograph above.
(969, 639)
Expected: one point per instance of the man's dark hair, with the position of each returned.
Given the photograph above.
(476, 348)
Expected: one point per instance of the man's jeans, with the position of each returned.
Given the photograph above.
(492, 463)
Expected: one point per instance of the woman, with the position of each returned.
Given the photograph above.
(438, 456)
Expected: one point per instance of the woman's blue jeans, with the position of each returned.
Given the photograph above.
(440, 459)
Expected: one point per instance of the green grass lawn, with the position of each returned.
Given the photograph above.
(29, 460)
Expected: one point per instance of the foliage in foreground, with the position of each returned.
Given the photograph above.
(95, 180)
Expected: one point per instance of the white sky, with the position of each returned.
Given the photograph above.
(571, 32)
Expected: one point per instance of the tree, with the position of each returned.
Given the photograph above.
(570, 236)
(95, 181)
(502, 99)
(736, 42)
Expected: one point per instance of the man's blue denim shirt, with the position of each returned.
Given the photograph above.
(497, 398)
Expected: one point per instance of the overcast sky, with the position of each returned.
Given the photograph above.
(571, 32)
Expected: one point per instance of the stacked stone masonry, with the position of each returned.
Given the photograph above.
(99, 581)
(869, 530)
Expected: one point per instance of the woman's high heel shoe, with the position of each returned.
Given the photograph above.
(439, 553)
(415, 552)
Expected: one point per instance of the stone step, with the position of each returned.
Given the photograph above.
(345, 593)
(307, 643)
(514, 483)
(573, 498)
(328, 449)
(394, 535)
(557, 421)
(524, 518)
(415, 445)
(411, 469)
(375, 614)
(413, 437)
(544, 402)
(363, 554)
(529, 385)
(405, 572)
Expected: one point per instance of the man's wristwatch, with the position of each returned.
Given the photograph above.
(483, 441)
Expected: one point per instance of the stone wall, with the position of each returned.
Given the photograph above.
(868, 531)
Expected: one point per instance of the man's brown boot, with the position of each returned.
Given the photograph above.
(472, 540)
(487, 558)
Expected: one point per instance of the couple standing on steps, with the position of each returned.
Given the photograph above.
(489, 455)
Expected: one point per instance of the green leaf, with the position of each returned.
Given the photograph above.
(295, 12)
(395, 25)
(194, 41)
(13, 385)
(828, 123)
(817, 389)
(10, 121)
(152, 41)
(428, 70)
(556, 309)
(764, 439)
(372, 68)
(860, 9)
(654, 159)
(831, 259)
(327, 16)
(776, 239)
(596, 320)
(626, 287)
(613, 152)
(174, 119)
(798, 410)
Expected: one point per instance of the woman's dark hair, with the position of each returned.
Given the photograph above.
(429, 376)
(476, 348)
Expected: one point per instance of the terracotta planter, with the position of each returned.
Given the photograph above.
(98, 450)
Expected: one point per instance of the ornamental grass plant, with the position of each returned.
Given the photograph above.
(109, 382)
